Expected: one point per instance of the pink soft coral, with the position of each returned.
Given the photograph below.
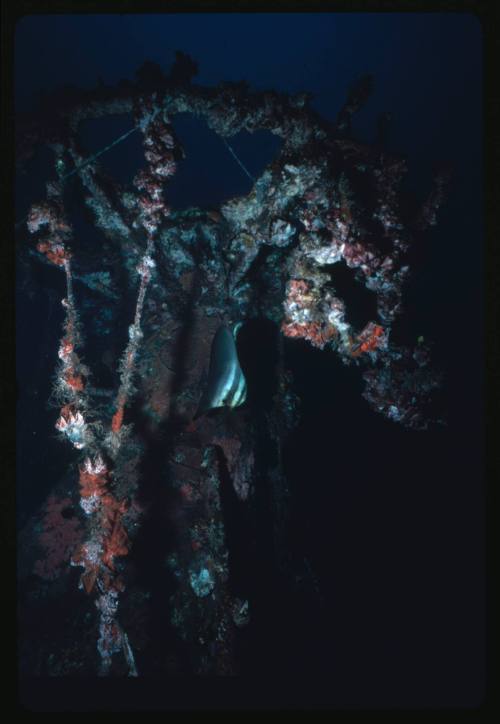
(59, 538)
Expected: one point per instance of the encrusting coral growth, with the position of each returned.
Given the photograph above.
(108, 538)
(324, 200)
(59, 538)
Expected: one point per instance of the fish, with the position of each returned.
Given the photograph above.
(226, 384)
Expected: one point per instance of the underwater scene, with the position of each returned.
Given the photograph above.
(249, 349)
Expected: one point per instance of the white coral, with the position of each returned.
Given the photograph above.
(74, 427)
(95, 467)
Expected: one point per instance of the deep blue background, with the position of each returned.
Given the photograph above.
(392, 520)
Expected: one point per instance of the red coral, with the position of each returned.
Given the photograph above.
(60, 537)
(88, 578)
(117, 420)
(56, 253)
(91, 485)
(116, 542)
(97, 554)
(297, 288)
(314, 332)
(93, 477)
(371, 338)
(74, 380)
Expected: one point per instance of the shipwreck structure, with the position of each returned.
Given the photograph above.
(143, 524)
